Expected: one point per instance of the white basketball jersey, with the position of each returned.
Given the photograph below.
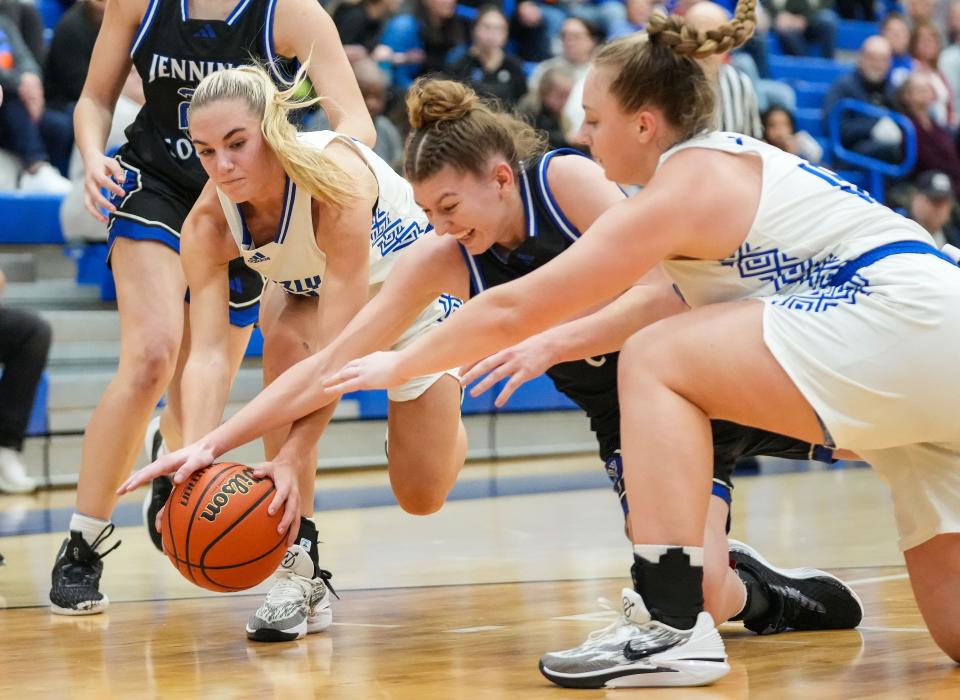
(292, 258)
(809, 222)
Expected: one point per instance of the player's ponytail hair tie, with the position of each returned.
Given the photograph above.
(308, 167)
(452, 126)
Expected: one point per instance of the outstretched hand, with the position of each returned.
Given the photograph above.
(181, 464)
(521, 363)
(379, 370)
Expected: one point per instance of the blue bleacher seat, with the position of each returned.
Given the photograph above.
(814, 70)
(852, 33)
(810, 95)
(50, 11)
(811, 121)
(30, 218)
(38, 424)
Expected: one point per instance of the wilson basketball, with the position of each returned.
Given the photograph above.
(216, 529)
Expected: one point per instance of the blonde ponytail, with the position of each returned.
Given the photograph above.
(308, 167)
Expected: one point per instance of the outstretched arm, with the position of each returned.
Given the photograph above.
(430, 266)
(302, 28)
(599, 333)
(625, 243)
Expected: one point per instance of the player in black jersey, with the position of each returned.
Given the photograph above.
(146, 192)
(502, 211)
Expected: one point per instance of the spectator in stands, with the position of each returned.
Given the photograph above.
(856, 9)
(361, 24)
(931, 206)
(925, 44)
(29, 22)
(432, 33)
(780, 130)
(544, 108)
(69, 54)
(949, 61)
(805, 27)
(374, 85)
(579, 38)
(920, 11)
(638, 13)
(935, 145)
(38, 136)
(486, 66)
(529, 37)
(736, 102)
(896, 31)
(604, 14)
(870, 82)
(953, 22)
(24, 344)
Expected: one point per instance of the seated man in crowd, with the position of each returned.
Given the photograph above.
(932, 204)
(870, 83)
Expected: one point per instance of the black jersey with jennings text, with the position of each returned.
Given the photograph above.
(590, 383)
(172, 53)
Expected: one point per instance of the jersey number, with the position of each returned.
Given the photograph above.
(182, 148)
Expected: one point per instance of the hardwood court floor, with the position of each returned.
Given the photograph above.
(461, 604)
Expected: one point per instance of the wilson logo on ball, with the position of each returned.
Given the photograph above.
(240, 483)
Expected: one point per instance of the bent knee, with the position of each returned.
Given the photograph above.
(420, 501)
(152, 366)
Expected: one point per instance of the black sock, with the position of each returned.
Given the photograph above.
(758, 599)
(670, 581)
(307, 538)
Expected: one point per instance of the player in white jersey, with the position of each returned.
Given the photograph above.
(818, 313)
(323, 218)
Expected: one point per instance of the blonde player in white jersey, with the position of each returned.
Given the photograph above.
(819, 314)
(322, 218)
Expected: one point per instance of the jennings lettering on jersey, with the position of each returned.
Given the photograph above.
(183, 68)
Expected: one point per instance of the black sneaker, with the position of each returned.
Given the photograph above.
(160, 487)
(75, 588)
(800, 599)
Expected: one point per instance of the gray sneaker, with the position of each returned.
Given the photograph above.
(297, 605)
(637, 651)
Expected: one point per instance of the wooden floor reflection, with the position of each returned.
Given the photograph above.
(462, 604)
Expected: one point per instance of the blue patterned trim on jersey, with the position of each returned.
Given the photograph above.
(773, 265)
(556, 213)
(390, 235)
(144, 25)
(477, 284)
(449, 304)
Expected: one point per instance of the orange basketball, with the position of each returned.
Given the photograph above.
(216, 529)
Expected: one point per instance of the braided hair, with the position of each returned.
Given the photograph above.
(659, 69)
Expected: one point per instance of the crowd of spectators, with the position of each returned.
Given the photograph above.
(532, 57)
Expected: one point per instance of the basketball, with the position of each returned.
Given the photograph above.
(216, 529)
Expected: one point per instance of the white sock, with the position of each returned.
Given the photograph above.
(89, 527)
(653, 552)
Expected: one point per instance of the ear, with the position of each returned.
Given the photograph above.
(646, 123)
(503, 175)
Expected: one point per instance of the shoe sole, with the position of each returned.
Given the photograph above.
(651, 674)
(95, 609)
(741, 553)
(318, 622)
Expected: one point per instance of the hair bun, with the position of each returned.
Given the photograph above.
(431, 101)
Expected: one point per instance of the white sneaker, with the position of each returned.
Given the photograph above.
(297, 605)
(46, 179)
(637, 651)
(13, 475)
